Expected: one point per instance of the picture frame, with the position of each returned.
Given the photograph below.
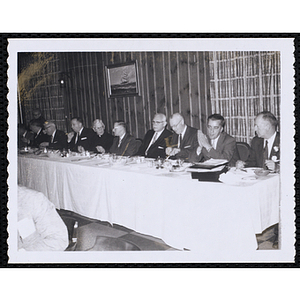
(122, 80)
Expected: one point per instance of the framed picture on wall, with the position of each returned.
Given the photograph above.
(122, 80)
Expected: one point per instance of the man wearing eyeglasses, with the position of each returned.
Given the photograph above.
(216, 144)
(154, 143)
(183, 140)
(124, 144)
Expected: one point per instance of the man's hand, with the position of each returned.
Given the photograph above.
(70, 136)
(27, 141)
(80, 149)
(100, 149)
(240, 164)
(202, 140)
(44, 144)
(270, 164)
(172, 151)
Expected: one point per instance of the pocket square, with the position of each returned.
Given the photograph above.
(188, 146)
(160, 147)
(55, 142)
(84, 138)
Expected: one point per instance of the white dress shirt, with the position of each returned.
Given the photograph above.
(270, 143)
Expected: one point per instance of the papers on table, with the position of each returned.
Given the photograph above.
(201, 170)
(210, 164)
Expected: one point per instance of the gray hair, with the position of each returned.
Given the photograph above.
(162, 116)
(98, 122)
(177, 115)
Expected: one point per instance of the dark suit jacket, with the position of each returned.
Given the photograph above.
(29, 136)
(226, 149)
(60, 141)
(38, 139)
(105, 141)
(256, 158)
(189, 143)
(158, 148)
(85, 140)
(128, 147)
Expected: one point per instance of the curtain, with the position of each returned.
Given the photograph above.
(242, 84)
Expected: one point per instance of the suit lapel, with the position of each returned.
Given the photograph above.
(186, 136)
(220, 141)
(123, 140)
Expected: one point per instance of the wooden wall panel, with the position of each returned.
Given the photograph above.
(170, 82)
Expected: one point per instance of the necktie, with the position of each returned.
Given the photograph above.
(76, 139)
(154, 138)
(266, 151)
(152, 142)
(180, 141)
(120, 141)
(52, 138)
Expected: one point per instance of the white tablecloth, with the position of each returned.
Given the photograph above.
(185, 213)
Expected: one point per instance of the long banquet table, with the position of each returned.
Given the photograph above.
(185, 213)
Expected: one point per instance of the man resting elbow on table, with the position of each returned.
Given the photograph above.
(124, 144)
(217, 144)
(183, 140)
(265, 146)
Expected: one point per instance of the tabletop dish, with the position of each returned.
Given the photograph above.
(261, 172)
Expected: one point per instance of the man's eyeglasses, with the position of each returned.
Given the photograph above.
(157, 122)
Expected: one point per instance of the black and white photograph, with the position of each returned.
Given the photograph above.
(151, 150)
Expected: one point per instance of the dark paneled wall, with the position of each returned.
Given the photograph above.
(169, 82)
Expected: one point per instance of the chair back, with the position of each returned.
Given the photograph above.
(243, 150)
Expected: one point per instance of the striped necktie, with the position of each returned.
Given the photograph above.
(180, 141)
(120, 141)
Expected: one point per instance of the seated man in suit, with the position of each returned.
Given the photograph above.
(154, 143)
(183, 140)
(57, 139)
(265, 149)
(103, 140)
(217, 144)
(124, 144)
(39, 135)
(81, 139)
(25, 137)
(266, 145)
